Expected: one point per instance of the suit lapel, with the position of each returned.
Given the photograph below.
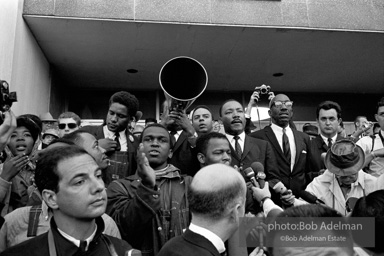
(298, 145)
(179, 141)
(273, 140)
(233, 153)
(320, 144)
(247, 147)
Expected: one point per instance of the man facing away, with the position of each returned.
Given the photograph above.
(71, 184)
(151, 206)
(216, 200)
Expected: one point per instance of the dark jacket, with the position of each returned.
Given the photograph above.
(297, 179)
(317, 148)
(148, 218)
(189, 244)
(39, 245)
(184, 156)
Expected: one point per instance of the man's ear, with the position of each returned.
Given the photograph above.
(50, 198)
(235, 212)
(201, 158)
(340, 120)
(170, 154)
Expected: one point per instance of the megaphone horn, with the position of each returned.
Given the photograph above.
(183, 80)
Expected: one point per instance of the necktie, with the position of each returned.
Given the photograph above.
(83, 246)
(329, 143)
(173, 138)
(117, 135)
(286, 147)
(239, 152)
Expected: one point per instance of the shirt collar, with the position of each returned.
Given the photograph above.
(209, 235)
(231, 137)
(279, 129)
(76, 241)
(111, 135)
(325, 139)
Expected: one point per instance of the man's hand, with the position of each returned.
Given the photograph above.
(288, 198)
(254, 99)
(182, 120)
(165, 118)
(108, 144)
(257, 252)
(7, 128)
(144, 170)
(260, 194)
(13, 166)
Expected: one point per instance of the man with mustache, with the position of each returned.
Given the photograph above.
(291, 147)
(245, 149)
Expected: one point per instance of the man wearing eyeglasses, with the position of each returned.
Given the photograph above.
(291, 147)
(68, 122)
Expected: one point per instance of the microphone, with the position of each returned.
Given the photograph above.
(280, 188)
(308, 197)
(249, 173)
(260, 174)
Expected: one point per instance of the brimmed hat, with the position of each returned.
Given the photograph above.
(47, 117)
(52, 132)
(344, 158)
(310, 129)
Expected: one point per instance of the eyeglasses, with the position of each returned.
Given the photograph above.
(70, 126)
(279, 104)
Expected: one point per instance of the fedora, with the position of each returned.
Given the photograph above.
(344, 158)
(47, 117)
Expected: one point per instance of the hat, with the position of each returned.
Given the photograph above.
(30, 124)
(52, 132)
(47, 117)
(344, 158)
(138, 115)
(310, 129)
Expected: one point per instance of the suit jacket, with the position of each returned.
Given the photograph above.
(296, 180)
(189, 243)
(184, 157)
(132, 143)
(256, 150)
(317, 148)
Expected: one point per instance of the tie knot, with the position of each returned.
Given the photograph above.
(237, 137)
(117, 134)
(83, 246)
(172, 132)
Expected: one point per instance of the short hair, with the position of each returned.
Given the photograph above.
(372, 205)
(47, 175)
(380, 103)
(221, 107)
(201, 106)
(62, 140)
(310, 210)
(327, 105)
(203, 140)
(160, 126)
(75, 136)
(150, 119)
(70, 115)
(126, 99)
(28, 122)
(214, 203)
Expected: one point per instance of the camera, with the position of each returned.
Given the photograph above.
(6, 97)
(264, 89)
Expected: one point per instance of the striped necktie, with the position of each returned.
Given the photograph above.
(239, 152)
(286, 147)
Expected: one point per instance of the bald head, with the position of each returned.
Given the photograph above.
(216, 189)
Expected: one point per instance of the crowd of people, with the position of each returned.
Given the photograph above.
(181, 185)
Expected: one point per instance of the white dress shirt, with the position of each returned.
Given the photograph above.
(122, 138)
(76, 241)
(232, 140)
(325, 139)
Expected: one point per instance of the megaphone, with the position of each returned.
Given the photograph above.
(183, 79)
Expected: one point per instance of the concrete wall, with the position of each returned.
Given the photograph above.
(22, 63)
(323, 14)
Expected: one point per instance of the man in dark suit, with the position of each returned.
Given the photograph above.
(328, 115)
(291, 147)
(215, 217)
(245, 149)
(183, 137)
(114, 137)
